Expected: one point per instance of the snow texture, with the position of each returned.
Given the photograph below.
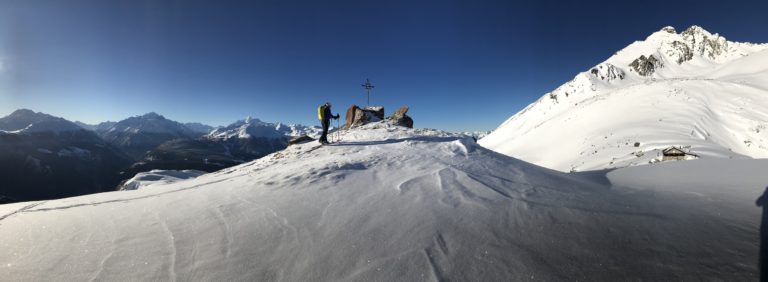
(394, 204)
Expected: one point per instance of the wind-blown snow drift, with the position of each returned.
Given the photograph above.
(386, 204)
(158, 177)
(693, 89)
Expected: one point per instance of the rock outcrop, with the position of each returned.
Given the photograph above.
(300, 140)
(357, 116)
(607, 72)
(401, 118)
(645, 66)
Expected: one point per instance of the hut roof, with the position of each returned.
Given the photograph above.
(673, 151)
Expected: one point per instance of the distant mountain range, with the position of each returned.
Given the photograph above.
(45, 157)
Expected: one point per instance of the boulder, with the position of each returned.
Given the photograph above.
(357, 116)
(300, 139)
(375, 111)
(401, 118)
(350, 118)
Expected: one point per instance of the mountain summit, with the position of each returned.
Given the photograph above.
(139, 134)
(28, 121)
(693, 89)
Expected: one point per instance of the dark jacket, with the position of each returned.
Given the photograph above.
(327, 115)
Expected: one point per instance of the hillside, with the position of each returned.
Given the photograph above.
(393, 204)
(693, 89)
(47, 157)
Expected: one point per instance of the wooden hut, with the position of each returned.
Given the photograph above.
(675, 154)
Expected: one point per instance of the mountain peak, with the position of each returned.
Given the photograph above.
(695, 29)
(27, 120)
(23, 112)
(153, 115)
(669, 29)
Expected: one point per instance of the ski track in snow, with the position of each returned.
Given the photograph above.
(21, 210)
(171, 244)
(122, 200)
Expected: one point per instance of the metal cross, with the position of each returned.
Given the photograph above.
(368, 86)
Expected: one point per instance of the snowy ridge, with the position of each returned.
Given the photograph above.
(389, 204)
(255, 128)
(149, 123)
(25, 121)
(691, 89)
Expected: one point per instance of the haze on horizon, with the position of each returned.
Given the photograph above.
(459, 65)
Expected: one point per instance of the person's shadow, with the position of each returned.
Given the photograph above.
(762, 201)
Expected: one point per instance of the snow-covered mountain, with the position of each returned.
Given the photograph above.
(255, 128)
(476, 134)
(139, 134)
(247, 128)
(693, 89)
(100, 127)
(45, 157)
(241, 141)
(396, 204)
(293, 130)
(199, 128)
(26, 121)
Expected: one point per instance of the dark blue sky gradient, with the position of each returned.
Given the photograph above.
(460, 65)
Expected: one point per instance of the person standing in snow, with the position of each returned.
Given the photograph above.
(325, 116)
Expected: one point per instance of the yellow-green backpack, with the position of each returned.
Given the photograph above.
(321, 112)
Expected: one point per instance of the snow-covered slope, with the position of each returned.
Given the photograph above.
(693, 89)
(385, 204)
(158, 177)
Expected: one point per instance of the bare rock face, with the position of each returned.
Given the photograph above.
(357, 116)
(680, 52)
(350, 117)
(401, 118)
(645, 66)
(704, 43)
(607, 72)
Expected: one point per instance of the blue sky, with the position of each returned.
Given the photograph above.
(459, 65)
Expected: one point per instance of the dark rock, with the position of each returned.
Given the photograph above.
(350, 118)
(300, 140)
(357, 116)
(684, 52)
(401, 118)
(646, 66)
(607, 72)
